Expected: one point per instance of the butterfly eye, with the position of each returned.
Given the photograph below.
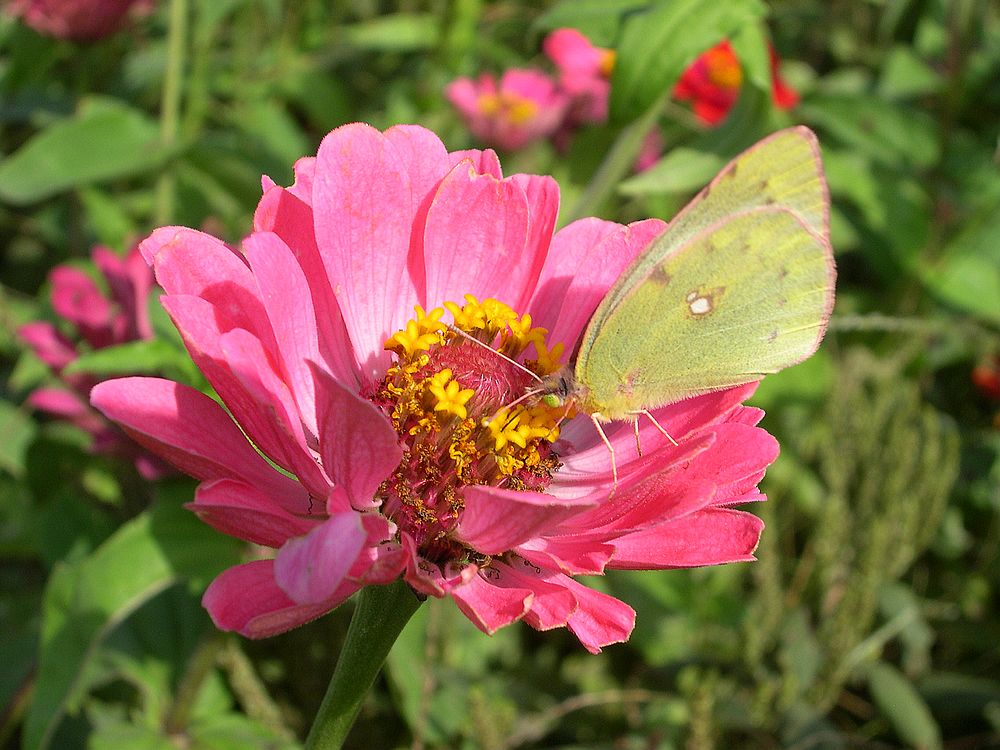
(552, 400)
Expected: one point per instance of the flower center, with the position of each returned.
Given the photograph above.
(447, 396)
(724, 69)
(508, 106)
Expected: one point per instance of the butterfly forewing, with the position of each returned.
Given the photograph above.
(748, 295)
(782, 170)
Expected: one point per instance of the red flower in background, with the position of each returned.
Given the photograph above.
(99, 321)
(75, 19)
(986, 377)
(712, 83)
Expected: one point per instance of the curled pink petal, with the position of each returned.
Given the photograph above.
(268, 611)
(360, 449)
(491, 607)
(245, 512)
(311, 568)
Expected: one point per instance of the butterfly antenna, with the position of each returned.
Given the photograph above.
(656, 424)
(455, 329)
(516, 401)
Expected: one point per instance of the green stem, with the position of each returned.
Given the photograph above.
(199, 667)
(170, 104)
(381, 613)
(621, 156)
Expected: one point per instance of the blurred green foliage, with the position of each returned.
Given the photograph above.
(871, 617)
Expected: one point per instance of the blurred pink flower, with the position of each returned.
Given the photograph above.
(100, 321)
(75, 19)
(584, 73)
(713, 81)
(326, 341)
(524, 107)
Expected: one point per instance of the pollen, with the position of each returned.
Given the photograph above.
(452, 395)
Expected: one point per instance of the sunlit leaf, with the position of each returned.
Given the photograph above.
(106, 140)
(85, 599)
(657, 45)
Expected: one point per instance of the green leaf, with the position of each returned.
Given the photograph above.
(598, 20)
(149, 357)
(85, 599)
(683, 170)
(18, 431)
(904, 75)
(658, 44)
(887, 132)
(902, 705)
(398, 32)
(750, 45)
(968, 275)
(106, 140)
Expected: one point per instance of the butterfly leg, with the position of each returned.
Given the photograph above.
(611, 450)
(638, 445)
(656, 424)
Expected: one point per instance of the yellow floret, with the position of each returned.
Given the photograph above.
(450, 395)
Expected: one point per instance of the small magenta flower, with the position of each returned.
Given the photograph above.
(523, 107)
(350, 341)
(712, 84)
(80, 20)
(98, 320)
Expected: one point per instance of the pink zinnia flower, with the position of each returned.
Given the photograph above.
(584, 73)
(326, 340)
(75, 19)
(712, 83)
(524, 107)
(98, 321)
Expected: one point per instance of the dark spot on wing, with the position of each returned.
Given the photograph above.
(659, 276)
(772, 336)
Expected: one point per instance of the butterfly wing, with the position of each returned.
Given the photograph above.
(748, 295)
(783, 170)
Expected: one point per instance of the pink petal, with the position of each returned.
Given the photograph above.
(567, 256)
(709, 537)
(311, 568)
(243, 511)
(598, 268)
(76, 298)
(286, 297)
(290, 218)
(358, 445)
(251, 366)
(130, 280)
(48, 344)
(247, 599)
(496, 520)
(491, 607)
(551, 606)
(484, 222)
(194, 263)
(261, 410)
(569, 554)
(599, 620)
(364, 208)
(542, 194)
(58, 401)
(193, 433)
(484, 162)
